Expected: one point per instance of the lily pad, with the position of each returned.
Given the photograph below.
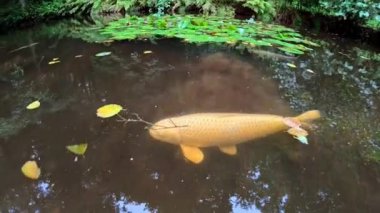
(78, 149)
(31, 170)
(108, 111)
(212, 29)
(33, 105)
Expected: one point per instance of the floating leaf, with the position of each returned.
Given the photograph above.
(33, 105)
(31, 170)
(291, 65)
(108, 110)
(101, 54)
(78, 149)
(211, 29)
(53, 62)
(302, 139)
(297, 131)
(148, 51)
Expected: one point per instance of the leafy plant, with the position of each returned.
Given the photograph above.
(211, 29)
(264, 9)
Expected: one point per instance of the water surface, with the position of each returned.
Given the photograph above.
(124, 170)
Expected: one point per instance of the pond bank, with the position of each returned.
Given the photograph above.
(318, 23)
(16, 15)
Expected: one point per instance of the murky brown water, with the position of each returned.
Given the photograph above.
(124, 170)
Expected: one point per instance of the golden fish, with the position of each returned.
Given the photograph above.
(223, 130)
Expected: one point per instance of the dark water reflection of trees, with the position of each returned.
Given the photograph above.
(125, 169)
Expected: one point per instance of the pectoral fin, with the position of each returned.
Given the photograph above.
(229, 150)
(193, 154)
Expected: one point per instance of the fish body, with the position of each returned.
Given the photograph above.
(223, 130)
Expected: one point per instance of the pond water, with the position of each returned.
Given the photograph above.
(125, 170)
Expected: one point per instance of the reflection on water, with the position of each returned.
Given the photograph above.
(124, 170)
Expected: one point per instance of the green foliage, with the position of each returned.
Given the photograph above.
(41, 9)
(365, 12)
(212, 29)
(264, 9)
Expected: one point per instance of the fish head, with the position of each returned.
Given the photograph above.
(165, 130)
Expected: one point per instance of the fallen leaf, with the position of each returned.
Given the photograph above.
(291, 65)
(78, 149)
(310, 71)
(53, 62)
(55, 59)
(78, 56)
(101, 54)
(33, 105)
(31, 170)
(109, 110)
(148, 51)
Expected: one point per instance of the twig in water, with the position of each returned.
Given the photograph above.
(23, 47)
(139, 119)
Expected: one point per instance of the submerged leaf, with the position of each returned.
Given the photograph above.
(78, 149)
(109, 110)
(53, 62)
(101, 54)
(31, 170)
(33, 105)
(291, 65)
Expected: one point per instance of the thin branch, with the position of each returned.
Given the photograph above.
(23, 47)
(138, 119)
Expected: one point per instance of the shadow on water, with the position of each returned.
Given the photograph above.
(125, 170)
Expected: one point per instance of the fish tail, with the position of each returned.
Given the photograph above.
(309, 115)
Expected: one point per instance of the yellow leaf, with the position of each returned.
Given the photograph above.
(53, 62)
(33, 105)
(291, 65)
(31, 170)
(78, 149)
(55, 59)
(147, 52)
(109, 110)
